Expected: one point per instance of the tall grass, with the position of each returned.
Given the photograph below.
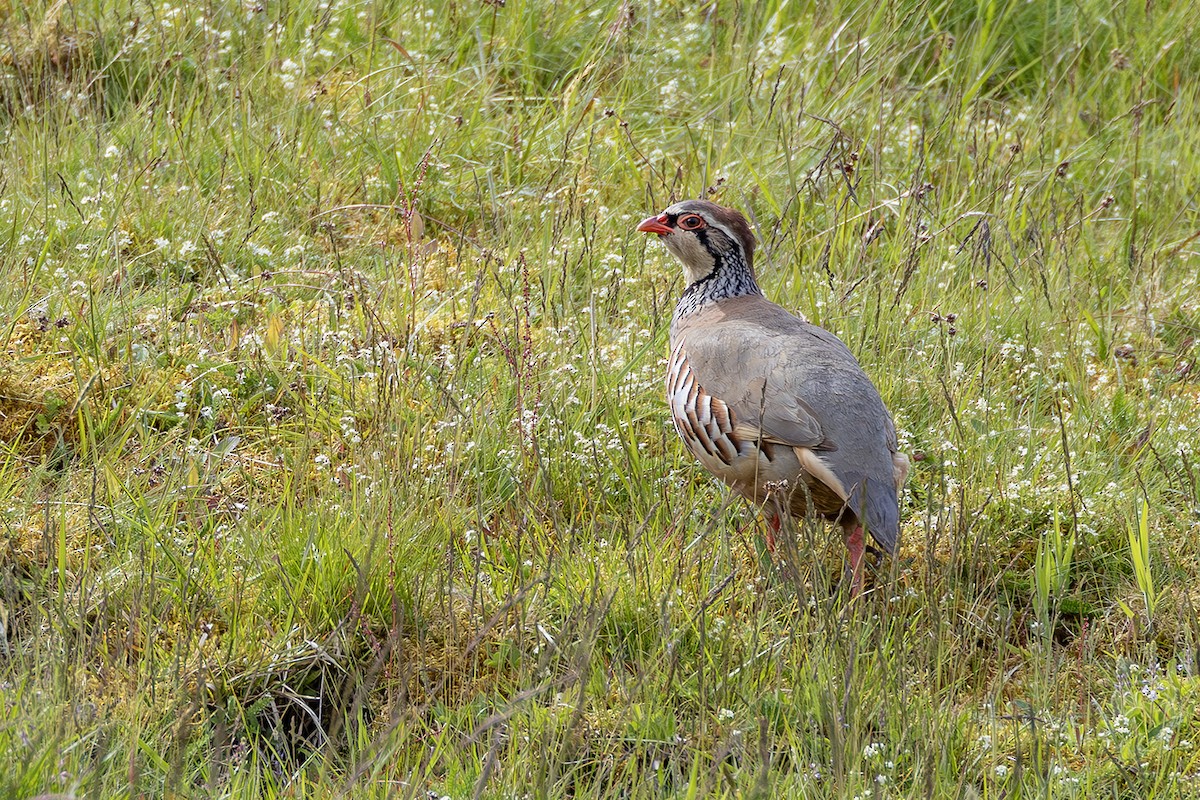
(334, 459)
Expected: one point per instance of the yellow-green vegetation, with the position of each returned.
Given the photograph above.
(333, 457)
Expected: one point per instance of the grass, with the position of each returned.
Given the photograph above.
(334, 459)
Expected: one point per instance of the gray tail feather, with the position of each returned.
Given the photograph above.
(882, 515)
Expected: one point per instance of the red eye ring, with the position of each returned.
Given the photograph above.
(691, 222)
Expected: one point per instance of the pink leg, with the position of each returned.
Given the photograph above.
(854, 543)
(773, 524)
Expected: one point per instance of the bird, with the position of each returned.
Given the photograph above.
(776, 407)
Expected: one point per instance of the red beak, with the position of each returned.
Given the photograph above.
(656, 225)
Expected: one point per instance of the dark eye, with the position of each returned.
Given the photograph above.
(691, 222)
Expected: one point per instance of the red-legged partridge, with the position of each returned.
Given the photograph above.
(774, 406)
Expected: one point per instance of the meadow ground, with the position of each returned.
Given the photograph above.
(334, 459)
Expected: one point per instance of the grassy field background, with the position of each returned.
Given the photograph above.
(334, 459)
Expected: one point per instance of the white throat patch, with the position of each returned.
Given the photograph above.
(697, 262)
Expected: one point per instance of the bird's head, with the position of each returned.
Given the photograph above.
(705, 237)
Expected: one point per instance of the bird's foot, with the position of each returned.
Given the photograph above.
(774, 523)
(856, 546)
